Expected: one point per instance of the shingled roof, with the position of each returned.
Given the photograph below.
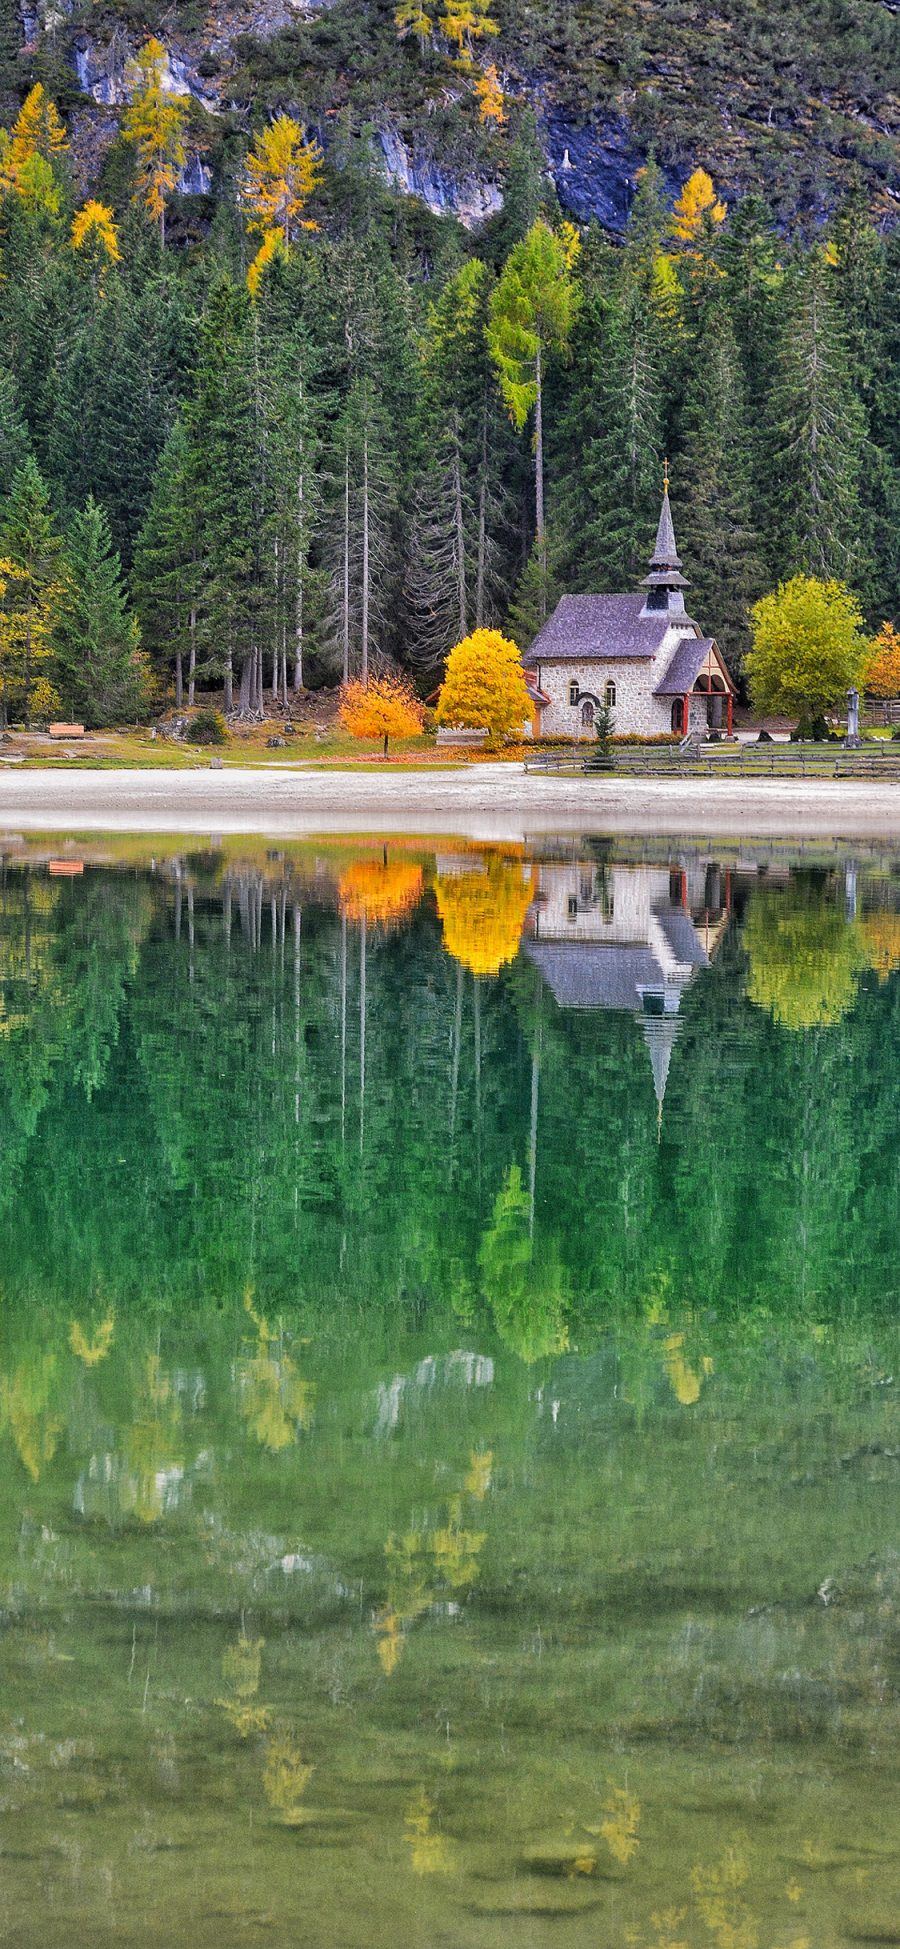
(685, 666)
(585, 629)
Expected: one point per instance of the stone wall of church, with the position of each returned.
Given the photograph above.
(636, 711)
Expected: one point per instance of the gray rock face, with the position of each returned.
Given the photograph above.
(464, 197)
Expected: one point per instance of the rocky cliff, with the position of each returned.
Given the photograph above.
(795, 101)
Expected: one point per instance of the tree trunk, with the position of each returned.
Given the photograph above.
(482, 524)
(229, 684)
(346, 614)
(540, 531)
(192, 658)
(365, 563)
(244, 694)
(179, 682)
(298, 619)
(460, 536)
(384, 753)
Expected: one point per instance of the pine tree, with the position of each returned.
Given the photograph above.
(154, 122)
(532, 310)
(718, 541)
(528, 192)
(607, 499)
(454, 577)
(166, 567)
(222, 427)
(15, 443)
(100, 672)
(34, 594)
(867, 299)
(817, 429)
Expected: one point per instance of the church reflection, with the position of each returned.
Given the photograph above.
(629, 939)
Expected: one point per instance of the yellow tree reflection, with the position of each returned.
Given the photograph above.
(429, 1853)
(91, 1351)
(805, 957)
(286, 1776)
(241, 1672)
(275, 1400)
(29, 1408)
(525, 1293)
(483, 912)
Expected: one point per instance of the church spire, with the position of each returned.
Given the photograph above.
(665, 554)
(665, 579)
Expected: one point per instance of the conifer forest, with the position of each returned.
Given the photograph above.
(274, 414)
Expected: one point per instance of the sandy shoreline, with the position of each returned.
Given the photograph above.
(478, 802)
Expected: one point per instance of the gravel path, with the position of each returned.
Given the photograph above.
(480, 802)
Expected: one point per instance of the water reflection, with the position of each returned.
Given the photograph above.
(448, 1395)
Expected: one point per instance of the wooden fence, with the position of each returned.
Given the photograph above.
(747, 761)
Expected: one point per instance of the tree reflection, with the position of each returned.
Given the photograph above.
(805, 955)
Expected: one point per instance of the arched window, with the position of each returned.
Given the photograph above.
(678, 715)
(573, 692)
(609, 695)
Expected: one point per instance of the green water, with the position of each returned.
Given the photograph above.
(449, 1396)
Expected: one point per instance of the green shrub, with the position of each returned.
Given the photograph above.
(208, 727)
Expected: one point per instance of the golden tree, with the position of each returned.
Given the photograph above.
(154, 123)
(463, 23)
(37, 131)
(490, 97)
(94, 232)
(411, 18)
(280, 173)
(484, 685)
(483, 912)
(27, 155)
(384, 708)
(882, 674)
(698, 208)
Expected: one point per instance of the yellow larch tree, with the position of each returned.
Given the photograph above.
(280, 173)
(463, 24)
(484, 685)
(411, 18)
(698, 208)
(28, 153)
(282, 169)
(95, 235)
(154, 122)
(882, 675)
(37, 131)
(490, 97)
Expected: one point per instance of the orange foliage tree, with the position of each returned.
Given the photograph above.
(882, 678)
(484, 685)
(380, 890)
(483, 912)
(384, 708)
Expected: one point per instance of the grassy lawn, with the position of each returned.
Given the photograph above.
(136, 750)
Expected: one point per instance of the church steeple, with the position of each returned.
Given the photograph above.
(665, 580)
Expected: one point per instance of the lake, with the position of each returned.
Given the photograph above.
(449, 1394)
